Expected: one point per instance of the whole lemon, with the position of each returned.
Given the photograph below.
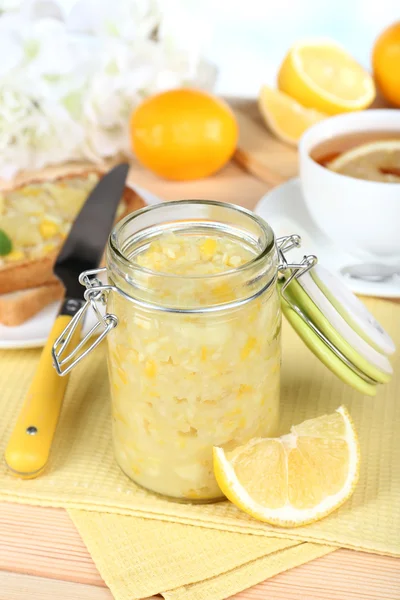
(386, 63)
(183, 134)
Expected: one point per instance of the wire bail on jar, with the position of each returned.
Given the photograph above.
(296, 270)
(97, 292)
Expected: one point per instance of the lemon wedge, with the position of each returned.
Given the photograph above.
(320, 74)
(297, 478)
(374, 161)
(286, 118)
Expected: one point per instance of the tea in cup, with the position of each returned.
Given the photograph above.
(353, 191)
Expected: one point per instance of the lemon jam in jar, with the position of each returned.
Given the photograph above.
(195, 359)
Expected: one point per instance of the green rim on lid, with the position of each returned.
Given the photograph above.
(333, 323)
(343, 327)
(299, 297)
(352, 310)
(324, 353)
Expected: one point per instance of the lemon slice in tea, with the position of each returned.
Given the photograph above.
(297, 478)
(374, 161)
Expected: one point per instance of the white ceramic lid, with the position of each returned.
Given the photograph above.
(352, 310)
(335, 318)
(336, 326)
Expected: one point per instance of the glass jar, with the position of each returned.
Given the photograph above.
(193, 320)
(194, 361)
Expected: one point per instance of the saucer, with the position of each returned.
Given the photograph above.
(285, 211)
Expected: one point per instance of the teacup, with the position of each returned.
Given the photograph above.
(359, 215)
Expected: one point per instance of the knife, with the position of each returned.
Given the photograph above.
(29, 446)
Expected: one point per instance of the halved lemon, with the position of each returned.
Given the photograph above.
(374, 161)
(320, 74)
(297, 478)
(286, 118)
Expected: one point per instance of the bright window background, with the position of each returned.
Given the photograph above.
(250, 37)
(247, 39)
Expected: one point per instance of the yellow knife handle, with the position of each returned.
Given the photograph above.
(30, 442)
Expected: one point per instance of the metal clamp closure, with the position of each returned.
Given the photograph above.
(292, 271)
(96, 293)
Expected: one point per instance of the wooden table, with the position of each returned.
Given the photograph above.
(42, 556)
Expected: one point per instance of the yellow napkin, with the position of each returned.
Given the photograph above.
(139, 557)
(249, 574)
(83, 474)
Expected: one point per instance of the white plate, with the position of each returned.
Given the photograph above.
(284, 209)
(34, 333)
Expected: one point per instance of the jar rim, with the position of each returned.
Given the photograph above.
(267, 248)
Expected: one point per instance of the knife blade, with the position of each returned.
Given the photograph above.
(29, 446)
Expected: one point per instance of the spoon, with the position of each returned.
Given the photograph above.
(373, 272)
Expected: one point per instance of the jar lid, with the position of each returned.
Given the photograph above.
(352, 310)
(336, 326)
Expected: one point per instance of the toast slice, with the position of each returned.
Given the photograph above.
(27, 281)
(18, 307)
(36, 217)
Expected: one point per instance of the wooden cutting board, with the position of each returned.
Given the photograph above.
(259, 151)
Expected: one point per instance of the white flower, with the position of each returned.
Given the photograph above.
(68, 85)
(10, 5)
(28, 131)
(10, 51)
(126, 19)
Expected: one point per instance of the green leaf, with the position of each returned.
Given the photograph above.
(5, 243)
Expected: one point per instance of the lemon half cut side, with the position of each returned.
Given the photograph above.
(320, 74)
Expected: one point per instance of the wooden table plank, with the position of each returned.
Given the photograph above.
(42, 545)
(44, 542)
(22, 587)
(342, 575)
